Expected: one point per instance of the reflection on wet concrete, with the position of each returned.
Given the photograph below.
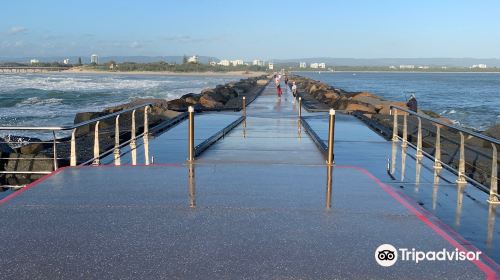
(435, 188)
(418, 169)
(393, 157)
(329, 171)
(191, 186)
(492, 212)
(460, 199)
(403, 163)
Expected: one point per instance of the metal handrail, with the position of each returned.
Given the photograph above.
(97, 152)
(461, 172)
(455, 127)
(61, 128)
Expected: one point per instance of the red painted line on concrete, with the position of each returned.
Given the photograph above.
(425, 218)
(35, 183)
(29, 186)
(131, 165)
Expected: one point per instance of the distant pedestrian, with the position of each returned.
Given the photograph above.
(294, 89)
(286, 79)
(412, 103)
(277, 82)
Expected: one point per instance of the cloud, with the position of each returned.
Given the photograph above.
(186, 39)
(17, 30)
(136, 45)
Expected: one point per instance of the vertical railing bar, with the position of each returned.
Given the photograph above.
(404, 143)
(116, 152)
(133, 144)
(96, 145)
(331, 136)
(437, 153)
(461, 161)
(55, 149)
(191, 134)
(419, 155)
(73, 148)
(395, 125)
(493, 199)
(145, 136)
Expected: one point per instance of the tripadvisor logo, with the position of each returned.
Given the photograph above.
(387, 255)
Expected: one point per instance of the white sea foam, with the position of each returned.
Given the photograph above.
(55, 98)
(33, 101)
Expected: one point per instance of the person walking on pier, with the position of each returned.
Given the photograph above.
(277, 82)
(412, 103)
(294, 89)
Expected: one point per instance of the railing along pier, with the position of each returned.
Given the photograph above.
(460, 171)
(98, 154)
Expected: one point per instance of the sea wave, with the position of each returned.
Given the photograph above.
(38, 101)
(53, 99)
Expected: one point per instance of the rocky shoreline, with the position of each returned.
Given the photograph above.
(222, 97)
(375, 112)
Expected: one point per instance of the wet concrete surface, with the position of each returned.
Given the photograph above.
(463, 209)
(257, 205)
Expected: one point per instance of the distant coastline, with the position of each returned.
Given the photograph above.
(165, 73)
(408, 72)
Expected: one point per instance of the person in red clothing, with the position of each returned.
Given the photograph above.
(277, 82)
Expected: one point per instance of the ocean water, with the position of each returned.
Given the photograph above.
(470, 99)
(53, 99)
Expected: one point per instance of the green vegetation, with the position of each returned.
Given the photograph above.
(162, 66)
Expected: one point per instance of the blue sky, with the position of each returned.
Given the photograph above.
(252, 29)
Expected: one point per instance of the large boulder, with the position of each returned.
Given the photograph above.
(4, 147)
(493, 131)
(191, 98)
(360, 107)
(262, 82)
(208, 101)
(225, 93)
(179, 105)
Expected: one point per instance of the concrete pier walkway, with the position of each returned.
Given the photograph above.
(259, 204)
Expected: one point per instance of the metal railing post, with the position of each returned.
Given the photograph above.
(395, 125)
(493, 199)
(96, 144)
(73, 148)
(145, 136)
(244, 112)
(404, 143)
(116, 151)
(133, 145)
(55, 149)
(191, 134)
(437, 153)
(461, 161)
(244, 106)
(419, 140)
(331, 135)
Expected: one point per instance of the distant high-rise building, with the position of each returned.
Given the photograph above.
(322, 65)
(271, 66)
(34, 61)
(224, 62)
(314, 65)
(302, 65)
(481, 66)
(94, 59)
(237, 62)
(258, 62)
(193, 59)
(66, 61)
